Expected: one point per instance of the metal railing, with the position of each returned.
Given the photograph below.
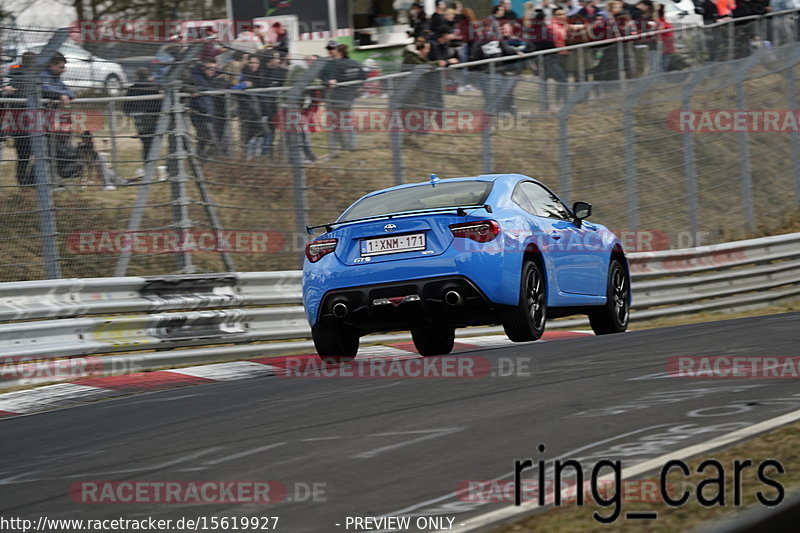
(192, 319)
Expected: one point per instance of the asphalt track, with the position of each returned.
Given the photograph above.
(398, 446)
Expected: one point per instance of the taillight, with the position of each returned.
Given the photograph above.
(481, 231)
(316, 250)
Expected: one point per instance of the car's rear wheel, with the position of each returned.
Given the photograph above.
(613, 316)
(335, 344)
(434, 340)
(526, 321)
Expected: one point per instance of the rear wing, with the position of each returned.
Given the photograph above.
(460, 211)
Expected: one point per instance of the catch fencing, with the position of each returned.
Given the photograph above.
(188, 179)
(176, 320)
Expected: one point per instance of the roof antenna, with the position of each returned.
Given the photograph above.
(434, 180)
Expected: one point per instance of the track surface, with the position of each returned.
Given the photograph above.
(395, 446)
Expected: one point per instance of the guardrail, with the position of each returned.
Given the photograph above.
(174, 320)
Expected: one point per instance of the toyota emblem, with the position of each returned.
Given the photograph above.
(389, 228)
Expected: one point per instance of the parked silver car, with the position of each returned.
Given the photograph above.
(85, 71)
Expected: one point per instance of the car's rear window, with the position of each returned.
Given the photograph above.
(421, 197)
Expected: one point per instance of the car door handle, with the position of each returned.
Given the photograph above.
(555, 235)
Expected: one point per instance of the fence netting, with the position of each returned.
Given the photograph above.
(150, 159)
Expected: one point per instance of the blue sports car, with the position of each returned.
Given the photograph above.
(431, 257)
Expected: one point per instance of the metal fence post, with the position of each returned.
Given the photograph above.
(486, 137)
(791, 100)
(564, 168)
(41, 158)
(630, 151)
(688, 152)
(744, 146)
(180, 201)
(112, 128)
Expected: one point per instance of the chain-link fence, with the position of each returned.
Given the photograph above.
(181, 160)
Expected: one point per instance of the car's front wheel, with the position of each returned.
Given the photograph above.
(335, 344)
(526, 321)
(613, 316)
(433, 340)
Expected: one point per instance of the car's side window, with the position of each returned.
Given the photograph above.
(521, 199)
(545, 203)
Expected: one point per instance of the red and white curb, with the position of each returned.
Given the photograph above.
(82, 391)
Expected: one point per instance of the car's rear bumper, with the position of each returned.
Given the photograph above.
(408, 304)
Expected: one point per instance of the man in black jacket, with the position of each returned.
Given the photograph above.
(341, 97)
(497, 89)
(143, 112)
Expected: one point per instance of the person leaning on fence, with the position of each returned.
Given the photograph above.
(143, 112)
(498, 90)
(341, 97)
(250, 130)
(205, 108)
(64, 154)
(444, 55)
(746, 31)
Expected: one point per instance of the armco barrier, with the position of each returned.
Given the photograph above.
(229, 316)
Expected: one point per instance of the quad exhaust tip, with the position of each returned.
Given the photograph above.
(339, 310)
(453, 298)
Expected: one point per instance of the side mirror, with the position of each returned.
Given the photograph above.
(581, 210)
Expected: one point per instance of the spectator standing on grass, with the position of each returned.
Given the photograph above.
(666, 39)
(555, 64)
(203, 107)
(341, 97)
(143, 112)
(60, 143)
(22, 140)
(274, 74)
(250, 107)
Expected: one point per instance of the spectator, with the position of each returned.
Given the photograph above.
(53, 88)
(419, 55)
(232, 69)
(667, 40)
(438, 19)
(309, 107)
(509, 14)
(556, 64)
(281, 43)
(250, 126)
(341, 97)
(417, 19)
(372, 87)
(498, 90)
(22, 140)
(204, 108)
(274, 75)
(442, 53)
(143, 112)
(745, 31)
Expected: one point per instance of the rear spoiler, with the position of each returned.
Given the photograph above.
(460, 211)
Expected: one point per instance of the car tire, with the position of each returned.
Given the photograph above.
(112, 85)
(614, 315)
(433, 340)
(335, 344)
(526, 321)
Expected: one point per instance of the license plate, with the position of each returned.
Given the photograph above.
(393, 245)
